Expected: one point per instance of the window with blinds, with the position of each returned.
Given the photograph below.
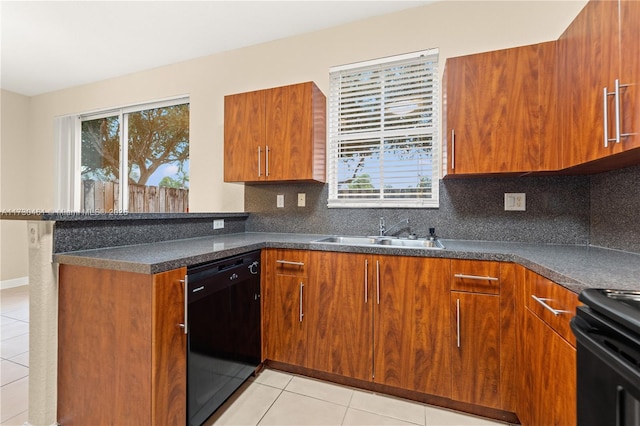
(383, 132)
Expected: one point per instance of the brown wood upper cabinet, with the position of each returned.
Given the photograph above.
(276, 134)
(599, 65)
(500, 115)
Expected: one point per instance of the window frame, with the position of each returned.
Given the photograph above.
(333, 158)
(68, 135)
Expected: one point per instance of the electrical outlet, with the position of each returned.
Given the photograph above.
(302, 199)
(515, 201)
(218, 223)
(34, 235)
(280, 201)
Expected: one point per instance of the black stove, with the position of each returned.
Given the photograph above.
(621, 306)
(607, 329)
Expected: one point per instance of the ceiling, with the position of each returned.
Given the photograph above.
(52, 45)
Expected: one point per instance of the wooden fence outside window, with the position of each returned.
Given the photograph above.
(100, 196)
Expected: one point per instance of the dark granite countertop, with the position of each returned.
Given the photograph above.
(70, 216)
(574, 267)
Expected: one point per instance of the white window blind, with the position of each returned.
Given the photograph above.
(383, 122)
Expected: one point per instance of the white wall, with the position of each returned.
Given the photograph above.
(456, 27)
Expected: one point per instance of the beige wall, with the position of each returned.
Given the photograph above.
(456, 27)
(15, 182)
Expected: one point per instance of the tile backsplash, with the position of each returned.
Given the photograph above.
(470, 208)
(615, 209)
(601, 209)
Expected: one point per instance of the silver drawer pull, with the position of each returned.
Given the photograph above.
(288, 262)
(475, 277)
(458, 320)
(185, 283)
(542, 301)
(301, 295)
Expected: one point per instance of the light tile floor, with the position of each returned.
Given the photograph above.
(277, 398)
(271, 398)
(14, 354)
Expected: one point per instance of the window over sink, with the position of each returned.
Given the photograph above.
(383, 132)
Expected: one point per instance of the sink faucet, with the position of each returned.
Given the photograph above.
(384, 229)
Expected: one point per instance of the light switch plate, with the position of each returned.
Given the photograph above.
(280, 201)
(515, 201)
(302, 199)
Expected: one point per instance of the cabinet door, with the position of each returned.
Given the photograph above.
(411, 324)
(630, 74)
(340, 339)
(289, 132)
(169, 357)
(494, 111)
(244, 137)
(122, 354)
(589, 61)
(475, 354)
(549, 384)
(284, 336)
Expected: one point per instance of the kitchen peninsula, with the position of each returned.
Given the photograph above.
(153, 245)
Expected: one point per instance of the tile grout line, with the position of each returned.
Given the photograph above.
(270, 407)
(12, 309)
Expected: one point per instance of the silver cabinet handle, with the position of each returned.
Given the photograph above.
(617, 105)
(620, 134)
(605, 117)
(185, 282)
(542, 301)
(378, 280)
(475, 277)
(366, 281)
(259, 157)
(301, 295)
(266, 161)
(458, 320)
(289, 262)
(453, 149)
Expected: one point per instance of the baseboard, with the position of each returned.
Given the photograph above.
(15, 282)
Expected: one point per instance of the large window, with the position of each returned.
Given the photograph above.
(133, 159)
(383, 132)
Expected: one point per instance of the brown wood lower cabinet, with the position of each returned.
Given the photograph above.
(392, 324)
(122, 353)
(549, 372)
(475, 354)
(380, 319)
(340, 313)
(284, 303)
(411, 324)
(482, 337)
(546, 356)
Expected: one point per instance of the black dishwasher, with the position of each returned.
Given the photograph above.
(223, 331)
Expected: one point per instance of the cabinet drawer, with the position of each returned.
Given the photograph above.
(475, 276)
(552, 303)
(289, 262)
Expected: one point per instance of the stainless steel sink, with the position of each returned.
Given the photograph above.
(424, 243)
(348, 240)
(419, 243)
